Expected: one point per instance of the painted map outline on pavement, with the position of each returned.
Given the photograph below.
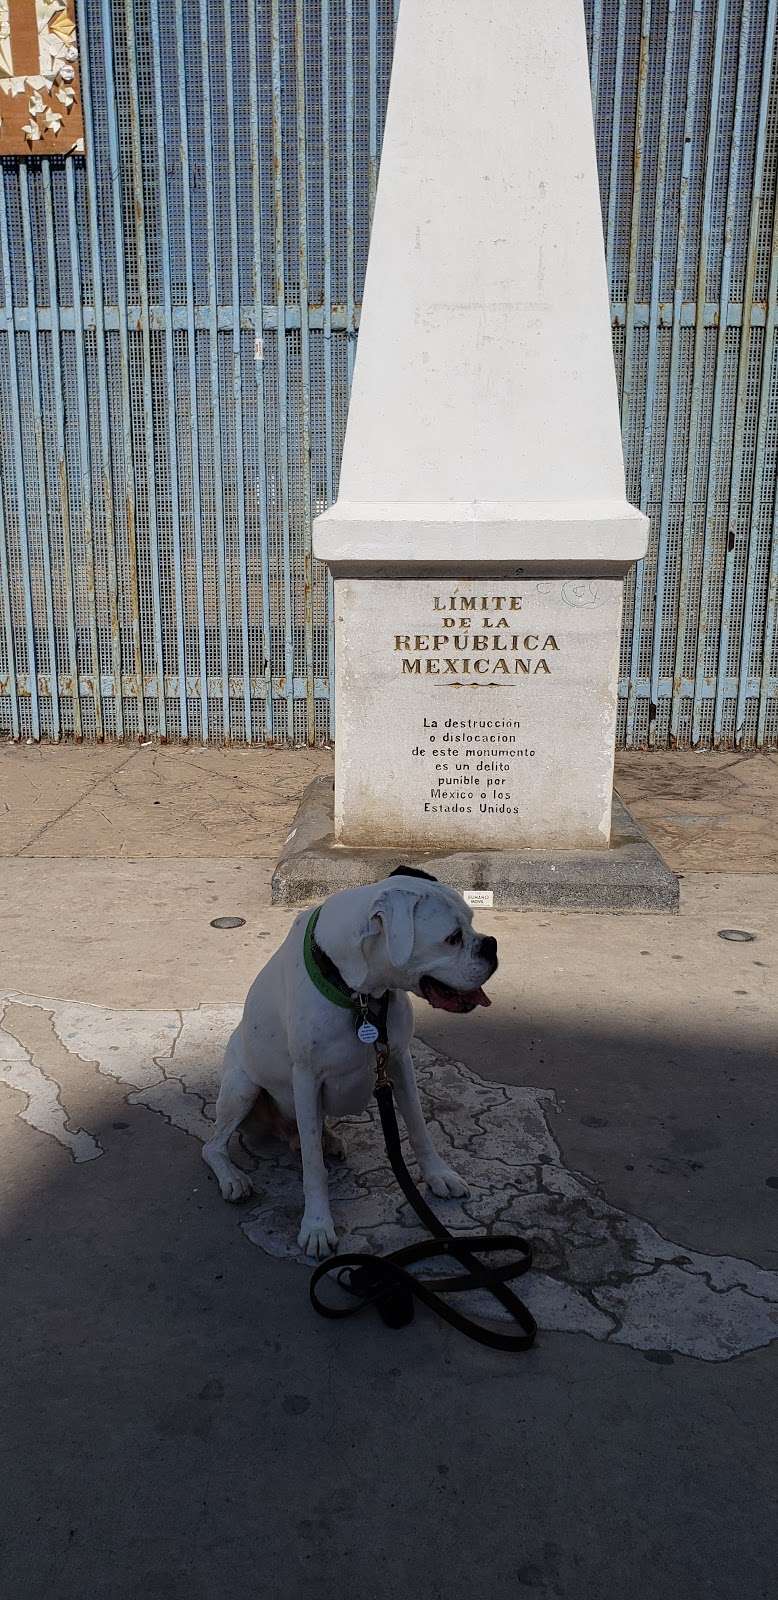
(599, 1270)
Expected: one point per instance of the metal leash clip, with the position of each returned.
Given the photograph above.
(367, 1032)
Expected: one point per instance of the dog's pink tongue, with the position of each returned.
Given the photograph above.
(479, 998)
(465, 1000)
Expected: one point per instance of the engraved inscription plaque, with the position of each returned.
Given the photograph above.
(476, 713)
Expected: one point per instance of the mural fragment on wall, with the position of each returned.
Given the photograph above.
(40, 95)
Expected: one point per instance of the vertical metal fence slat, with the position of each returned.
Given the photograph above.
(10, 643)
(259, 364)
(139, 207)
(351, 333)
(191, 358)
(372, 102)
(329, 447)
(649, 414)
(104, 424)
(768, 355)
(19, 473)
(213, 367)
(130, 496)
(627, 395)
(85, 485)
(766, 683)
(59, 436)
(698, 365)
(40, 456)
(613, 175)
(767, 694)
(305, 362)
(744, 353)
(167, 313)
(283, 432)
(675, 360)
(735, 151)
(594, 60)
(237, 378)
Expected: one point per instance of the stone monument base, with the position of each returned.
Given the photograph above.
(628, 876)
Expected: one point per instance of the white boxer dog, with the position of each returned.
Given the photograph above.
(296, 1048)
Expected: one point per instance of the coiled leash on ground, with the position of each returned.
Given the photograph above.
(384, 1281)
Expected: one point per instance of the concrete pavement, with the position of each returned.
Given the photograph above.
(178, 1422)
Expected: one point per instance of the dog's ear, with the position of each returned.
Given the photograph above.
(353, 965)
(391, 914)
(394, 912)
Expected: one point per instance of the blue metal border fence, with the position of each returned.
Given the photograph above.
(178, 319)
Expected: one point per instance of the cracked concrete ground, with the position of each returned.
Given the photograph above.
(176, 1420)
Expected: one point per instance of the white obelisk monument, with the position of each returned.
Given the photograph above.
(481, 533)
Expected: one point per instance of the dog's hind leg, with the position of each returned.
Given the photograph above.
(333, 1143)
(236, 1098)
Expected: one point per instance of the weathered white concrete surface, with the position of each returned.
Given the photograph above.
(483, 421)
(476, 713)
(41, 1105)
(599, 1270)
(483, 444)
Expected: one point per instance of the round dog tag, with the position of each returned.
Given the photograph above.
(367, 1033)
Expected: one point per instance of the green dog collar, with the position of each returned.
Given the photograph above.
(329, 990)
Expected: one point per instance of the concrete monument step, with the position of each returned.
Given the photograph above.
(629, 875)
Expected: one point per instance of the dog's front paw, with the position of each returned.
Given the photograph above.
(317, 1236)
(444, 1181)
(234, 1184)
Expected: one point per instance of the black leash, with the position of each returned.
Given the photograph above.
(386, 1283)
